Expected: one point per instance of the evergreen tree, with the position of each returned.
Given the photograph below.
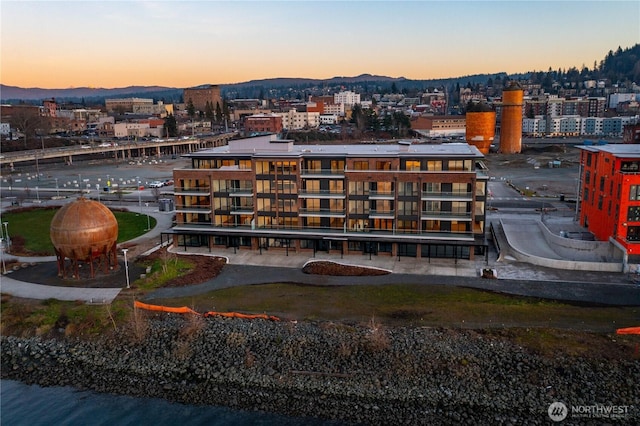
(170, 126)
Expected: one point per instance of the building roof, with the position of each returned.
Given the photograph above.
(266, 145)
(617, 150)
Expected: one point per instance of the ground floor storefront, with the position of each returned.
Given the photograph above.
(339, 246)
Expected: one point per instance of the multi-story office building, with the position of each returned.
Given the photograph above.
(399, 199)
(610, 195)
(346, 97)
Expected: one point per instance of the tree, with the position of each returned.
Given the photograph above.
(25, 119)
(218, 113)
(191, 109)
(170, 126)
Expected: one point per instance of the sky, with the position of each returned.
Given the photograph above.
(109, 44)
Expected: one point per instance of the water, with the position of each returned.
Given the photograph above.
(32, 405)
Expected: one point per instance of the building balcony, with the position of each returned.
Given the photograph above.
(192, 191)
(316, 212)
(381, 214)
(322, 173)
(440, 215)
(281, 231)
(242, 210)
(181, 208)
(241, 192)
(381, 195)
(447, 196)
(321, 193)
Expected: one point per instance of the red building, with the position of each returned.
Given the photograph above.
(263, 123)
(610, 195)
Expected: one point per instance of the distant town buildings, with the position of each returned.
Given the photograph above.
(124, 105)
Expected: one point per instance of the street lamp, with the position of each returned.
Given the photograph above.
(6, 234)
(126, 266)
(4, 266)
(148, 220)
(139, 195)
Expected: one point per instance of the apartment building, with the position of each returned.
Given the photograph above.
(400, 199)
(609, 204)
(347, 98)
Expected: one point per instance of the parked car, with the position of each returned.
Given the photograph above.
(168, 182)
(156, 184)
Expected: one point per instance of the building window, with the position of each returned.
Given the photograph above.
(434, 165)
(602, 183)
(358, 188)
(337, 166)
(361, 165)
(359, 207)
(383, 165)
(587, 177)
(589, 159)
(407, 208)
(406, 188)
(633, 233)
(600, 202)
(431, 187)
(586, 194)
(634, 192)
(412, 165)
(633, 214)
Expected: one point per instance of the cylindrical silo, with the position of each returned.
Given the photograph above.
(511, 122)
(481, 127)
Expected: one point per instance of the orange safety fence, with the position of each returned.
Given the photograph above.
(185, 310)
(629, 330)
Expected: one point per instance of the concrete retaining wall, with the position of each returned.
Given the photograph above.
(581, 250)
(523, 254)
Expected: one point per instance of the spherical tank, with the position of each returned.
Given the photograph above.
(511, 122)
(481, 129)
(83, 230)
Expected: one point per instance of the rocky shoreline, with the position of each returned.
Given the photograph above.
(360, 374)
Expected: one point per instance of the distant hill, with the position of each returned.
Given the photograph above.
(12, 93)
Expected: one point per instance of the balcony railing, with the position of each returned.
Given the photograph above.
(329, 232)
(320, 193)
(321, 212)
(381, 213)
(381, 195)
(193, 208)
(322, 172)
(240, 191)
(442, 195)
(192, 191)
(439, 215)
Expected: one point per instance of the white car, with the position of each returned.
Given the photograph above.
(156, 184)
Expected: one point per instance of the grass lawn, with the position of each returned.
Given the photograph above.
(432, 305)
(34, 226)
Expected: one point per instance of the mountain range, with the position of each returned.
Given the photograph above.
(13, 93)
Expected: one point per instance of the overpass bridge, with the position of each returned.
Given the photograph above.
(120, 149)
